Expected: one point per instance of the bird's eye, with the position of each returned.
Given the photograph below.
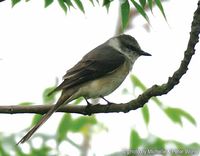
(131, 47)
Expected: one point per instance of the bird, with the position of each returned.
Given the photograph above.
(97, 74)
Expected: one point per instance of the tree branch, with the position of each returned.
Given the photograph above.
(156, 90)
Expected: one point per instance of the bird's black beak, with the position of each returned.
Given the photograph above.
(141, 52)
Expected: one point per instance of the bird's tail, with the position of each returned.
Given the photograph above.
(61, 100)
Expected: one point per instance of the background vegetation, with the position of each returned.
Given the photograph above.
(88, 126)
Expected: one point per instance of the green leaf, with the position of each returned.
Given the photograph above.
(19, 151)
(140, 10)
(176, 115)
(138, 83)
(80, 5)
(92, 2)
(81, 122)
(125, 11)
(3, 151)
(107, 2)
(47, 3)
(48, 98)
(179, 145)
(145, 114)
(135, 140)
(159, 4)
(186, 115)
(63, 5)
(64, 126)
(154, 142)
(36, 119)
(173, 116)
(107, 6)
(69, 3)
(158, 143)
(150, 3)
(44, 150)
(194, 146)
(143, 3)
(78, 101)
(14, 2)
(158, 102)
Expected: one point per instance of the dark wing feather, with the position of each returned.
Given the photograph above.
(99, 62)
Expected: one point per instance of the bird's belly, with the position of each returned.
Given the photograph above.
(101, 87)
(104, 85)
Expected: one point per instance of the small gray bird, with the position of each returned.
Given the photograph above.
(97, 74)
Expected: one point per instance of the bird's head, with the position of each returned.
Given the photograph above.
(128, 45)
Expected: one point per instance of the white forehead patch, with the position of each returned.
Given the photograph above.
(114, 43)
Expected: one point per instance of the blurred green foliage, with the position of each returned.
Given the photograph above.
(82, 125)
(125, 6)
(154, 145)
(174, 114)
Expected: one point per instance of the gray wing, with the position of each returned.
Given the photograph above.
(97, 63)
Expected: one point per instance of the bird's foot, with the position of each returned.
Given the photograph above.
(108, 104)
(88, 108)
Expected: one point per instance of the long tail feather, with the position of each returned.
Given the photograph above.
(45, 117)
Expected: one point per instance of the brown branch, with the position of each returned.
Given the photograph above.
(156, 90)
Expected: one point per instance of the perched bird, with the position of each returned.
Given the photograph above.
(97, 74)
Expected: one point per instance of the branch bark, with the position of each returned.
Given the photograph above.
(155, 90)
